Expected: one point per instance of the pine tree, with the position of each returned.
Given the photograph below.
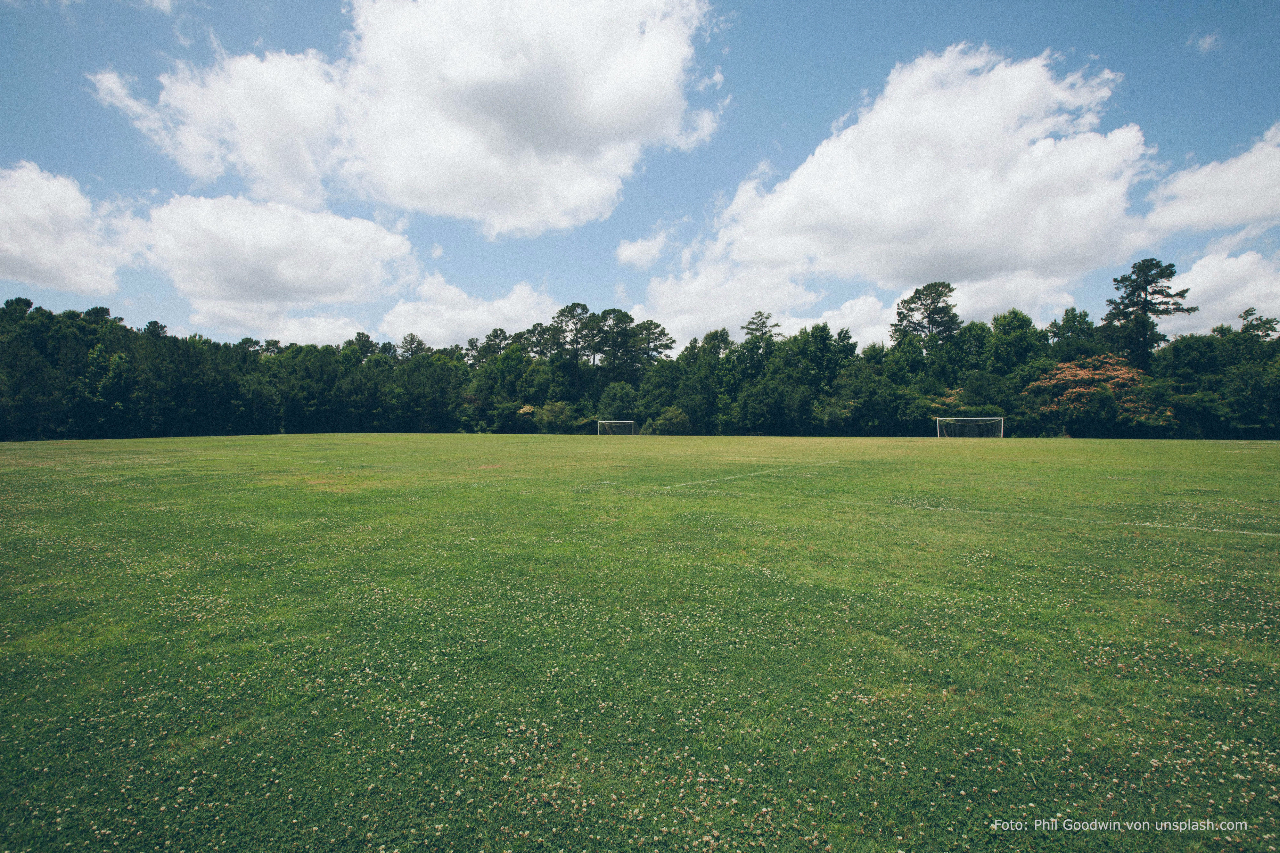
(1144, 295)
(927, 313)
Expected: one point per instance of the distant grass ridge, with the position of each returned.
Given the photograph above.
(460, 642)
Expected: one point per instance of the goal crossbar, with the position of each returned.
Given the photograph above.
(990, 427)
(615, 427)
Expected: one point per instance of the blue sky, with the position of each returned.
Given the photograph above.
(303, 171)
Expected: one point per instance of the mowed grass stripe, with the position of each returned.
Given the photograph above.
(1006, 514)
(531, 643)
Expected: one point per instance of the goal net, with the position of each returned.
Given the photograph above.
(615, 427)
(970, 427)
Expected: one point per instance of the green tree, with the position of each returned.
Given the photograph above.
(700, 393)
(672, 421)
(616, 342)
(576, 326)
(927, 314)
(658, 388)
(1263, 327)
(617, 403)
(967, 351)
(495, 343)
(1144, 295)
(1098, 397)
(362, 344)
(542, 341)
(1015, 341)
(759, 327)
(1074, 336)
(411, 345)
(554, 417)
(653, 340)
(433, 384)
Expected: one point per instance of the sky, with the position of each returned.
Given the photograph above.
(302, 171)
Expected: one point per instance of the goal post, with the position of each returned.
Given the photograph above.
(615, 427)
(970, 427)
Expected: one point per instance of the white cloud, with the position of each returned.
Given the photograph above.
(642, 253)
(966, 167)
(1043, 297)
(246, 264)
(1205, 43)
(273, 120)
(52, 236)
(1244, 190)
(866, 318)
(320, 329)
(715, 292)
(1222, 286)
(521, 116)
(969, 168)
(443, 315)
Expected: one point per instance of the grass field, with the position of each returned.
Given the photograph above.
(529, 643)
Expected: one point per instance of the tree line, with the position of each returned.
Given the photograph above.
(87, 375)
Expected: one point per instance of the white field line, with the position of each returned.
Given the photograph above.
(752, 474)
(926, 508)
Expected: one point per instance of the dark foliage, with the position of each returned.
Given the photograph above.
(87, 375)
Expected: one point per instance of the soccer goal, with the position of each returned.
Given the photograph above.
(970, 427)
(615, 427)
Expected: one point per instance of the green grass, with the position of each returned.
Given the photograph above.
(555, 643)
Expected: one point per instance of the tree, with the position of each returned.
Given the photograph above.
(1097, 397)
(653, 340)
(672, 421)
(495, 343)
(361, 344)
(1074, 336)
(15, 309)
(1014, 342)
(555, 416)
(1263, 327)
(411, 345)
(617, 403)
(700, 393)
(542, 341)
(616, 342)
(577, 327)
(1144, 294)
(926, 313)
(760, 327)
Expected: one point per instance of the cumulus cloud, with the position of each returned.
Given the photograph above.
(247, 264)
(717, 291)
(969, 167)
(1222, 286)
(273, 120)
(1241, 191)
(52, 236)
(642, 253)
(443, 315)
(315, 329)
(521, 116)
(867, 319)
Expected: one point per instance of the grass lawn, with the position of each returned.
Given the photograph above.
(536, 643)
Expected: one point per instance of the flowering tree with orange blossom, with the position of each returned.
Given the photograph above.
(1097, 397)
